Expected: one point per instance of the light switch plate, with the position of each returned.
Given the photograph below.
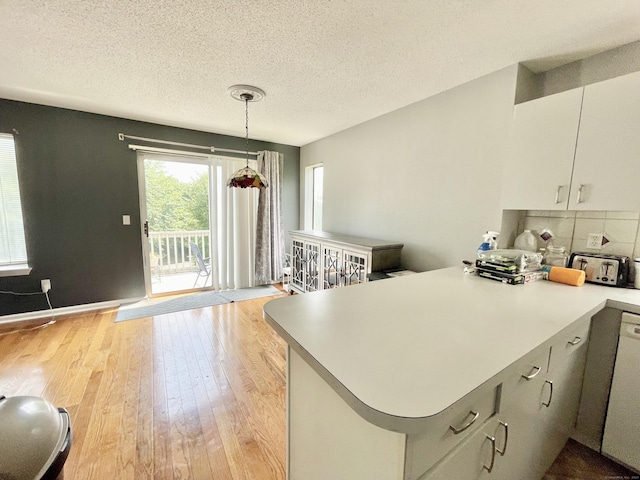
(594, 240)
(126, 219)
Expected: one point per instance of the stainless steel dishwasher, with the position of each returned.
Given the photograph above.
(622, 427)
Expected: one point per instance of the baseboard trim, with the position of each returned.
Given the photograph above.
(56, 312)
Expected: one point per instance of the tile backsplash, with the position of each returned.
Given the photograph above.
(571, 229)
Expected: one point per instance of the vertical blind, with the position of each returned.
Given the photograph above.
(12, 244)
(233, 223)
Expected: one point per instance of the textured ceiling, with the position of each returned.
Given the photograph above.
(325, 65)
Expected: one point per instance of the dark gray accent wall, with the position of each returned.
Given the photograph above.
(77, 180)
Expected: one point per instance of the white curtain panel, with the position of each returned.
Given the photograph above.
(233, 227)
(270, 224)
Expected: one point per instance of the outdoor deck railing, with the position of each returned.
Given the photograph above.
(169, 252)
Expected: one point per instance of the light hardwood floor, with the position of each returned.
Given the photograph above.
(190, 395)
(196, 395)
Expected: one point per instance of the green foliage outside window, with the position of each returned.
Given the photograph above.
(173, 204)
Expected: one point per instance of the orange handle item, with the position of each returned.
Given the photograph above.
(568, 276)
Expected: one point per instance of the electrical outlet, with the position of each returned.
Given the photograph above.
(46, 285)
(594, 240)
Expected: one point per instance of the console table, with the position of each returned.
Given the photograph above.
(322, 260)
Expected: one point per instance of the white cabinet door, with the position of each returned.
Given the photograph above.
(514, 436)
(522, 436)
(607, 166)
(537, 173)
(449, 428)
(332, 266)
(298, 262)
(356, 267)
(305, 265)
(312, 280)
(540, 411)
(563, 385)
(473, 459)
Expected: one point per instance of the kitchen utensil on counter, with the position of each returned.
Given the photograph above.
(600, 268)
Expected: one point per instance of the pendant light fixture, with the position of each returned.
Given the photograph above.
(247, 177)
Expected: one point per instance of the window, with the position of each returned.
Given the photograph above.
(314, 180)
(318, 173)
(13, 250)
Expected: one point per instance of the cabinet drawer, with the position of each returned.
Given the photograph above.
(473, 459)
(449, 428)
(524, 380)
(569, 342)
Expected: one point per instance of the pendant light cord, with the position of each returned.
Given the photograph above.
(246, 125)
(247, 177)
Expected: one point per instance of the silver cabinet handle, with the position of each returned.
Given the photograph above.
(550, 393)
(575, 341)
(557, 200)
(456, 431)
(506, 439)
(534, 371)
(493, 454)
(579, 199)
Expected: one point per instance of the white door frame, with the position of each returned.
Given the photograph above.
(144, 225)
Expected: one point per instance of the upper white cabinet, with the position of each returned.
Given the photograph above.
(607, 165)
(577, 150)
(543, 142)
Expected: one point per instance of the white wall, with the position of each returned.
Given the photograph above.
(427, 175)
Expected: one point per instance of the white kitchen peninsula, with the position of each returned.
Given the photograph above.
(436, 375)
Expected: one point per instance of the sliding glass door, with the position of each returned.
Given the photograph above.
(197, 233)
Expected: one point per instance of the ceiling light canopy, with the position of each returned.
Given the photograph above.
(247, 177)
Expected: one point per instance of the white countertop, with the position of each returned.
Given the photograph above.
(406, 348)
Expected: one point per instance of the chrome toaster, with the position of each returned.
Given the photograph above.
(600, 268)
